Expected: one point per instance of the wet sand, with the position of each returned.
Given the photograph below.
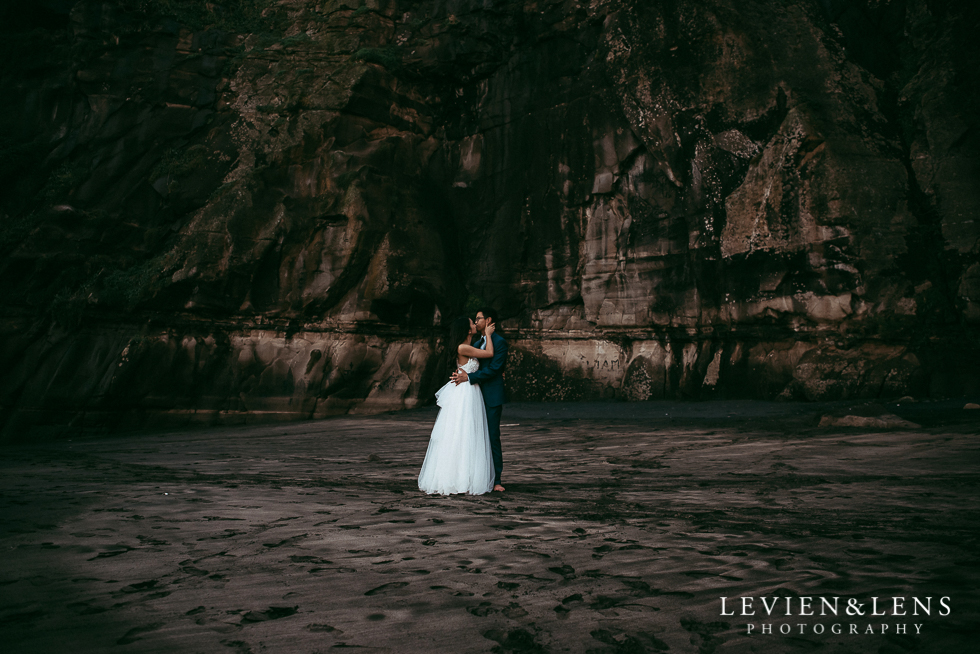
(621, 527)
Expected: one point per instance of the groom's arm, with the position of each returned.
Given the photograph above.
(494, 368)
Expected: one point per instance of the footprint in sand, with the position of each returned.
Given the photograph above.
(134, 634)
(272, 613)
(324, 629)
(386, 588)
(288, 541)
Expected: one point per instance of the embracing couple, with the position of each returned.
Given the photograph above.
(464, 448)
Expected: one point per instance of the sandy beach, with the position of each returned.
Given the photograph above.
(621, 528)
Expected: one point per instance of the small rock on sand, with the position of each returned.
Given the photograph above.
(887, 421)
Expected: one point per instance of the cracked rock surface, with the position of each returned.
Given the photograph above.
(268, 209)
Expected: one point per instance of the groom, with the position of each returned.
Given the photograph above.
(490, 379)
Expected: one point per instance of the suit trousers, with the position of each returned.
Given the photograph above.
(493, 425)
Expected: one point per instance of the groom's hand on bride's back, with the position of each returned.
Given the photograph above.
(459, 377)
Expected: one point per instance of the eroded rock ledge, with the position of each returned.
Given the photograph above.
(268, 208)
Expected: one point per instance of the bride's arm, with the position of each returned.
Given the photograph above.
(470, 351)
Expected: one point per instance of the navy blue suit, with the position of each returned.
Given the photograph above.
(491, 382)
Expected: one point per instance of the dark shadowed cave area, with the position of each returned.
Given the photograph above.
(269, 209)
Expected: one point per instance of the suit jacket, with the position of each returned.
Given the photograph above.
(489, 375)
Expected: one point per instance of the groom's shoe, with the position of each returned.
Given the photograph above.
(498, 487)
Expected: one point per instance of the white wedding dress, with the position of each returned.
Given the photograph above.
(459, 459)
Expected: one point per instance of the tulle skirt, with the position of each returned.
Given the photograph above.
(458, 459)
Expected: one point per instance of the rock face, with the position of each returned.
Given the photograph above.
(268, 209)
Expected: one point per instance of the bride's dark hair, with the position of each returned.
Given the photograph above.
(459, 331)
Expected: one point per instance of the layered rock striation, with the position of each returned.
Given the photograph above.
(267, 209)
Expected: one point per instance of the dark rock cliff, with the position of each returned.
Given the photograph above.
(267, 208)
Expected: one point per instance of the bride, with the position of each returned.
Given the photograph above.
(459, 459)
